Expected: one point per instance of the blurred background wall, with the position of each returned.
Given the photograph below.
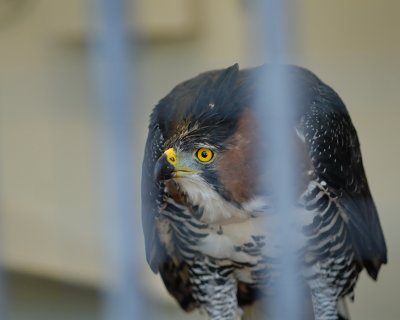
(52, 229)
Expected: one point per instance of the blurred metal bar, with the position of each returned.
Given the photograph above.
(275, 109)
(4, 293)
(109, 57)
(3, 289)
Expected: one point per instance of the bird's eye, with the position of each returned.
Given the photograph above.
(204, 155)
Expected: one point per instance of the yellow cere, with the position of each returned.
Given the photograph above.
(204, 155)
(171, 156)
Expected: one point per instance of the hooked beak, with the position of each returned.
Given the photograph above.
(163, 169)
(167, 167)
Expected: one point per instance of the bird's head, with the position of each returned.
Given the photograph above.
(212, 162)
(209, 137)
(210, 146)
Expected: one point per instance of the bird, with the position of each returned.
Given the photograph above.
(204, 212)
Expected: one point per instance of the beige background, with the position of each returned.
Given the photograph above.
(51, 215)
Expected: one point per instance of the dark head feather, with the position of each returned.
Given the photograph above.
(207, 106)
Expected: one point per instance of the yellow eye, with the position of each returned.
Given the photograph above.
(204, 155)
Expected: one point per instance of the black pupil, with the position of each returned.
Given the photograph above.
(204, 154)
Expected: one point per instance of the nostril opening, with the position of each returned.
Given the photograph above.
(172, 159)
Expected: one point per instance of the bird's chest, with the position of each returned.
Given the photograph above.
(240, 243)
(239, 248)
(206, 227)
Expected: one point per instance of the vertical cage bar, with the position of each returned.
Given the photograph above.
(3, 289)
(4, 285)
(108, 55)
(275, 113)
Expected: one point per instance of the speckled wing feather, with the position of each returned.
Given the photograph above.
(334, 150)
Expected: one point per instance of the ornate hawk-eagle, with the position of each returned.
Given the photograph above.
(203, 212)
